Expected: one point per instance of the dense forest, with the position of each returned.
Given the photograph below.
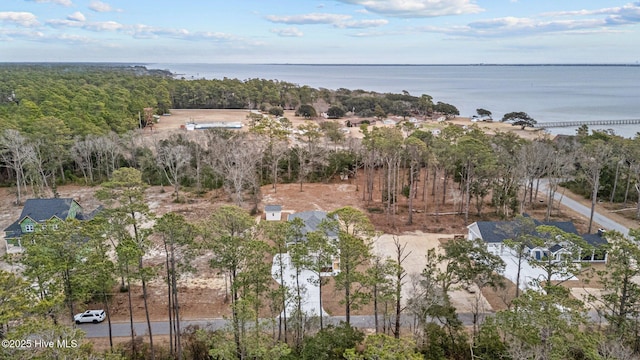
(78, 124)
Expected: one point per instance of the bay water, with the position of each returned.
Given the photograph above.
(548, 93)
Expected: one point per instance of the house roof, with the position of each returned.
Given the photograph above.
(13, 230)
(555, 248)
(86, 217)
(494, 231)
(44, 209)
(595, 240)
(272, 208)
(311, 219)
(41, 210)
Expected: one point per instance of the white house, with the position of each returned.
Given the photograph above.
(312, 221)
(273, 212)
(494, 233)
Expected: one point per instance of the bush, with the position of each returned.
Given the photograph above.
(276, 111)
(336, 112)
(331, 342)
(306, 111)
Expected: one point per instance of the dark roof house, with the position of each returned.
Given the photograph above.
(38, 211)
(494, 233)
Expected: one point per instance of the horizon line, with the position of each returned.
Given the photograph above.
(319, 64)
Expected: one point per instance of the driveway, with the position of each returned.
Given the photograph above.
(309, 293)
(528, 273)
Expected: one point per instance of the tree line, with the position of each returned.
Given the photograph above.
(96, 99)
(461, 170)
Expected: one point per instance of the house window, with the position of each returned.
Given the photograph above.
(28, 228)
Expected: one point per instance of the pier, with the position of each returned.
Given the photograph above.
(577, 123)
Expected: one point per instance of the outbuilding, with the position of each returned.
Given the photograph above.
(273, 212)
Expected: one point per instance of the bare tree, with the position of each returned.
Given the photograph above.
(274, 132)
(594, 157)
(198, 145)
(506, 182)
(309, 152)
(37, 169)
(236, 161)
(277, 153)
(15, 151)
(81, 152)
(112, 150)
(532, 159)
(129, 143)
(560, 166)
(174, 159)
(399, 281)
(416, 151)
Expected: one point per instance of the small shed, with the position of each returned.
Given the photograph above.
(273, 212)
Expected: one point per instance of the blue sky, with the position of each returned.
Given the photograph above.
(321, 31)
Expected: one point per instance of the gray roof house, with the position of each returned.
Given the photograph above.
(38, 211)
(493, 234)
(310, 219)
(311, 222)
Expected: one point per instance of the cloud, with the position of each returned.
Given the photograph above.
(362, 24)
(99, 26)
(337, 20)
(418, 8)
(102, 26)
(77, 16)
(142, 31)
(27, 34)
(513, 26)
(19, 18)
(626, 14)
(31, 35)
(307, 19)
(287, 32)
(376, 34)
(571, 22)
(101, 7)
(59, 2)
(75, 39)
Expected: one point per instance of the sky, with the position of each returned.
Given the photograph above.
(321, 31)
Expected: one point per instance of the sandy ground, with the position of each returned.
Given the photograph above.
(180, 117)
(416, 246)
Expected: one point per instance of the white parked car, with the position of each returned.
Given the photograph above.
(90, 316)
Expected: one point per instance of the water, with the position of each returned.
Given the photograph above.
(547, 93)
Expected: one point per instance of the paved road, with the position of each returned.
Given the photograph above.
(585, 211)
(140, 328)
(162, 327)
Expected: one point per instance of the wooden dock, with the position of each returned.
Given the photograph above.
(577, 123)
